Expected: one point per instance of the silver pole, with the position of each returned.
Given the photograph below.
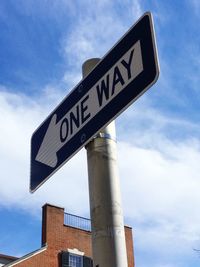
(108, 237)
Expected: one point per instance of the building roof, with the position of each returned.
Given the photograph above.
(7, 257)
(29, 255)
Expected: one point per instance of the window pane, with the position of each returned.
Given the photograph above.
(75, 260)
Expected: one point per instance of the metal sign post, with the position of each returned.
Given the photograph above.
(108, 237)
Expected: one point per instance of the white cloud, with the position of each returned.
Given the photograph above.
(160, 190)
(20, 116)
(92, 35)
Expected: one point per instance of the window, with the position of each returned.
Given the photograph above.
(75, 260)
(69, 259)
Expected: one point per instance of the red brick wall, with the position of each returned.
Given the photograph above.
(129, 246)
(59, 237)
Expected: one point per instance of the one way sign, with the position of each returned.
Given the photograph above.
(123, 74)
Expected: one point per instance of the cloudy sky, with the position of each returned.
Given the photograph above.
(42, 47)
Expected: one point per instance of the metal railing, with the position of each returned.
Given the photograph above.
(77, 222)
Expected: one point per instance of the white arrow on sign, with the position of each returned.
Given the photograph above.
(50, 144)
(126, 69)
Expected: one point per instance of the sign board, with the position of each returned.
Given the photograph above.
(122, 75)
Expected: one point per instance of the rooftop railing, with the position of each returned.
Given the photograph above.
(77, 222)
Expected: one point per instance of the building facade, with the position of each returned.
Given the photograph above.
(66, 242)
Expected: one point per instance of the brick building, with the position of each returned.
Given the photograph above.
(66, 241)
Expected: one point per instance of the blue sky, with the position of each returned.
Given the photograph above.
(42, 47)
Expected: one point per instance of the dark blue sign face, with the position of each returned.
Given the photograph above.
(123, 74)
